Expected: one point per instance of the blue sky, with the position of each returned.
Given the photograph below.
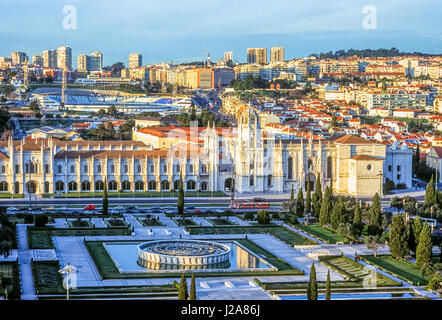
(179, 30)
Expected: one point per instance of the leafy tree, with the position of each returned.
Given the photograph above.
(308, 200)
(180, 203)
(430, 193)
(182, 290)
(317, 198)
(357, 219)
(375, 216)
(424, 248)
(416, 160)
(324, 216)
(300, 203)
(373, 243)
(435, 282)
(398, 242)
(192, 294)
(409, 205)
(249, 216)
(328, 287)
(312, 288)
(105, 199)
(263, 217)
(292, 201)
(338, 213)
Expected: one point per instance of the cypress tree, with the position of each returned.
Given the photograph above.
(357, 221)
(328, 287)
(300, 203)
(312, 288)
(317, 198)
(398, 239)
(180, 204)
(192, 294)
(337, 215)
(105, 200)
(417, 228)
(308, 200)
(324, 216)
(375, 216)
(423, 251)
(182, 290)
(292, 201)
(430, 193)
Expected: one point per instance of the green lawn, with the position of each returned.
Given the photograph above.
(355, 271)
(165, 194)
(115, 223)
(47, 280)
(279, 232)
(80, 224)
(321, 233)
(184, 222)
(9, 195)
(108, 270)
(10, 277)
(221, 222)
(40, 238)
(148, 222)
(403, 269)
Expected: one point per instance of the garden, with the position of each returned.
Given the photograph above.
(323, 234)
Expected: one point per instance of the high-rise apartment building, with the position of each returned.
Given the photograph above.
(228, 55)
(135, 60)
(37, 60)
(277, 54)
(92, 62)
(64, 57)
(257, 55)
(18, 58)
(49, 58)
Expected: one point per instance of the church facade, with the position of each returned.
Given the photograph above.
(211, 159)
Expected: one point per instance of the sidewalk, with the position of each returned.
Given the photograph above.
(24, 260)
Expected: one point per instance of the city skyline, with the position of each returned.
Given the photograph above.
(301, 28)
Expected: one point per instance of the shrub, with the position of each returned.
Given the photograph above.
(41, 220)
(228, 211)
(276, 216)
(263, 217)
(249, 216)
(29, 218)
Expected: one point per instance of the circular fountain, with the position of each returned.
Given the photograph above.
(183, 254)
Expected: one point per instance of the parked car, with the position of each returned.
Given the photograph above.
(198, 211)
(89, 207)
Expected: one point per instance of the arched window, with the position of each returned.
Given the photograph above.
(152, 185)
(204, 186)
(16, 187)
(3, 169)
(126, 168)
(125, 185)
(112, 185)
(139, 185)
(191, 185)
(139, 168)
(32, 168)
(46, 168)
(176, 185)
(3, 186)
(252, 180)
(85, 186)
(310, 164)
(17, 168)
(177, 168)
(165, 185)
(191, 168)
(290, 168)
(165, 168)
(85, 168)
(112, 168)
(203, 168)
(99, 185)
(72, 169)
(59, 186)
(72, 186)
(152, 168)
(46, 186)
(329, 167)
(269, 180)
(99, 168)
(59, 169)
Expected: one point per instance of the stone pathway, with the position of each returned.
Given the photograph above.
(24, 260)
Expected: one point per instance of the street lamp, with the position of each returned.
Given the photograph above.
(67, 270)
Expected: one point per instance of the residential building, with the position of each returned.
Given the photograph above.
(135, 60)
(257, 55)
(64, 57)
(277, 55)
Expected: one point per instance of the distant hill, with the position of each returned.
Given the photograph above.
(365, 53)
